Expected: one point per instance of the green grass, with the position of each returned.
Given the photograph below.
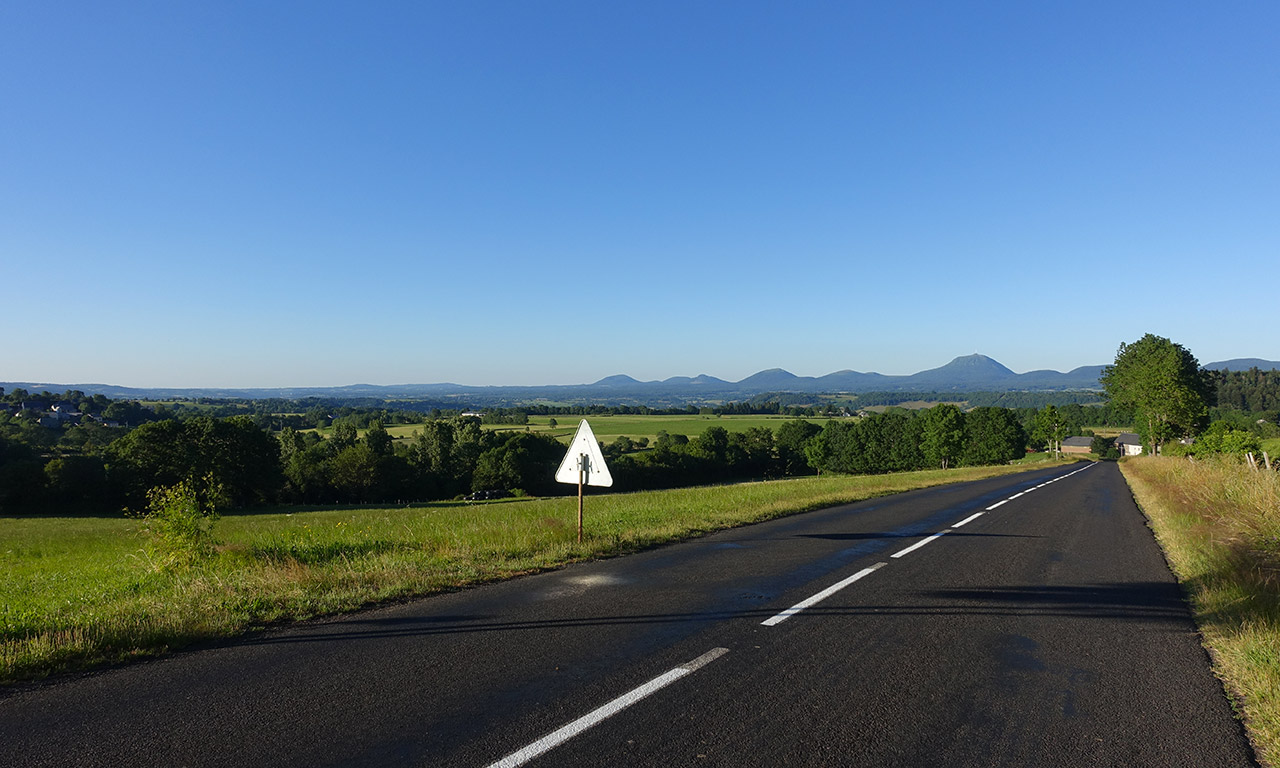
(81, 592)
(609, 428)
(1219, 525)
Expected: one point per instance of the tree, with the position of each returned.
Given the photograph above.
(242, 460)
(343, 436)
(1050, 428)
(1165, 386)
(992, 436)
(712, 446)
(379, 440)
(790, 442)
(1221, 437)
(943, 436)
(1104, 447)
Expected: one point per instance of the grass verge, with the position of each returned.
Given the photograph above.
(1219, 525)
(82, 592)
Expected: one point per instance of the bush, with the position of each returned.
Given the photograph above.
(1104, 447)
(179, 525)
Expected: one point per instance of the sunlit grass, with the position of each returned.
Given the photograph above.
(79, 592)
(1219, 524)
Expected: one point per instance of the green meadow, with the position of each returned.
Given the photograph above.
(78, 592)
(609, 428)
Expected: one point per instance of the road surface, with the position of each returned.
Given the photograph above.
(1027, 620)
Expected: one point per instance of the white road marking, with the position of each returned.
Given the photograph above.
(823, 595)
(560, 736)
(563, 734)
(920, 544)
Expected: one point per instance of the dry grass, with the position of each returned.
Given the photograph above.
(1219, 525)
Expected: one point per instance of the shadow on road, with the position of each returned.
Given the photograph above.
(1146, 602)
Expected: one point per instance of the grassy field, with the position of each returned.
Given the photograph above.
(609, 428)
(1108, 431)
(1219, 525)
(80, 592)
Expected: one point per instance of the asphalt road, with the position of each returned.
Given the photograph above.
(1042, 628)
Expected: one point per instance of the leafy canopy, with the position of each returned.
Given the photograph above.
(1165, 386)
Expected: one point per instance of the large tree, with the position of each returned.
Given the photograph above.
(1050, 428)
(992, 436)
(1165, 386)
(943, 437)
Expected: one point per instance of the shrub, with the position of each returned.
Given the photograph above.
(179, 523)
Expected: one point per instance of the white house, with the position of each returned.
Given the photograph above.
(1129, 444)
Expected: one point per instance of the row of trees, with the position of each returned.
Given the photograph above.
(1155, 383)
(449, 457)
(1253, 390)
(895, 441)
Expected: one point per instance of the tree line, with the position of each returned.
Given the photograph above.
(447, 458)
(116, 451)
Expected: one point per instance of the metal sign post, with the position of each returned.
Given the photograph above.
(582, 476)
(584, 465)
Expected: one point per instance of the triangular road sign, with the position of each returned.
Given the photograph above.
(584, 452)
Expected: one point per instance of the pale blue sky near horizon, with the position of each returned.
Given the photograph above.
(243, 194)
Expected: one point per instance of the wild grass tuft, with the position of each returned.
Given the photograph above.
(1219, 525)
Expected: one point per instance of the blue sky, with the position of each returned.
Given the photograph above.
(319, 193)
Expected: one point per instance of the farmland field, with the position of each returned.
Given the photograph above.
(608, 428)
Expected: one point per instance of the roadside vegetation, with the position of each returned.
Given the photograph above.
(80, 592)
(1218, 521)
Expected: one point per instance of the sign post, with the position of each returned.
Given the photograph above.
(584, 465)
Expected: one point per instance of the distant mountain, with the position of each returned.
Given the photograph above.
(970, 373)
(771, 379)
(701, 380)
(1244, 364)
(617, 381)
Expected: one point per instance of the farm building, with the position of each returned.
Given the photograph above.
(1077, 445)
(1129, 444)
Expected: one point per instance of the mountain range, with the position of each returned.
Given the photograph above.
(970, 373)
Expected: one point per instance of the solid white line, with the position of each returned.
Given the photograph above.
(920, 544)
(823, 595)
(560, 736)
(969, 519)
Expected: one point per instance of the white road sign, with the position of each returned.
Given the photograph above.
(584, 453)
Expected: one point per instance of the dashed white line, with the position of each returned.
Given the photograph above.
(561, 735)
(920, 544)
(823, 595)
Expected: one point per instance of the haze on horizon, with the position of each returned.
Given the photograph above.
(552, 193)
